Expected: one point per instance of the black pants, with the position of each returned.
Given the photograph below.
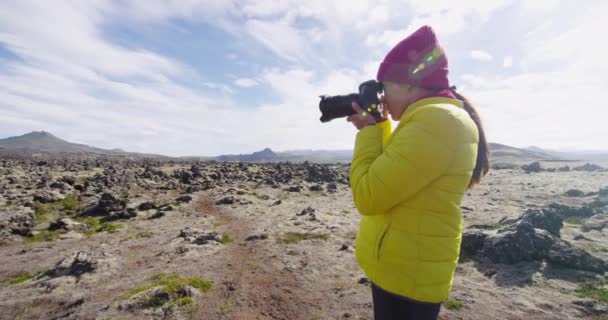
(389, 306)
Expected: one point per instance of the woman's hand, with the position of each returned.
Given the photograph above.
(362, 119)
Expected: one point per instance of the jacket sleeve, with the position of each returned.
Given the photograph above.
(383, 177)
(385, 126)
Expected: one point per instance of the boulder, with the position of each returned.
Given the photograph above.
(16, 221)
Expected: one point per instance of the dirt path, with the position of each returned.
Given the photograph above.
(253, 286)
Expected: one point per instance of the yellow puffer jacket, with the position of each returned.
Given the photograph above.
(408, 186)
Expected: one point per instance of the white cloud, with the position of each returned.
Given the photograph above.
(446, 17)
(246, 82)
(279, 36)
(72, 80)
(481, 55)
(507, 62)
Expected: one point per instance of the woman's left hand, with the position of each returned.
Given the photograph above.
(362, 119)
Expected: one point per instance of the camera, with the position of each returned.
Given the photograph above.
(333, 107)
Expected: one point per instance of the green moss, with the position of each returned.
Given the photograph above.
(453, 304)
(295, 237)
(137, 290)
(183, 301)
(345, 211)
(316, 316)
(226, 239)
(24, 276)
(110, 227)
(261, 196)
(227, 307)
(199, 284)
(596, 290)
(143, 234)
(91, 222)
(573, 220)
(124, 194)
(96, 226)
(157, 276)
(172, 283)
(8, 204)
(70, 204)
(44, 235)
(41, 211)
(21, 278)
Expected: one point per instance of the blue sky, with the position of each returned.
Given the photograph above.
(222, 77)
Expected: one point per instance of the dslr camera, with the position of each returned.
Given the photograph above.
(368, 99)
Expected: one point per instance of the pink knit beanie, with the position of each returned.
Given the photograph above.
(417, 60)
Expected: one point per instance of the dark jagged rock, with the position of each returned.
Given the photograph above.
(294, 189)
(565, 254)
(59, 185)
(574, 193)
(146, 206)
(48, 196)
(523, 242)
(183, 199)
(68, 224)
(472, 242)
(166, 208)
(319, 173)
(121, 215)
(207, 238)
(532, 167)
(69, 180)
(16, 221)
(110, 203)
(257, 237)
(196, 236)
(225, 200)
(588, 167)
(316, 187)
(545, 219)
(592, 307)
(332, 187)
(189, 233)
(195, 188)
(152, 173)
(76, 264)
(565, 212)
(151, 298)
(308, 210)
(156, 215)
(183, 176)
(520, 243)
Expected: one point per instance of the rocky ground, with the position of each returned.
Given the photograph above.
(101, 239)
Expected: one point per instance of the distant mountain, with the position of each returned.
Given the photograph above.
(574, 155)
(498, 150)
(265, 155)
(42, 142)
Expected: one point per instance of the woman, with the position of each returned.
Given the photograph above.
(408, 184)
